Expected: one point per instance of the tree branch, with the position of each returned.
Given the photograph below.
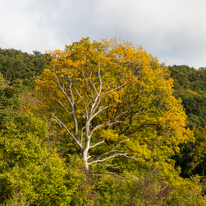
(88, 86)
(71, 93)
(65, 94)
(99, 110)
(81, 110)
(113, 156)
(106, 124)
(82, 134)
(71, 101)
(113, 89)
(61, 104)
(113, 149)
(67, 130)
(97, 144)
(85, 106)
(93, 85)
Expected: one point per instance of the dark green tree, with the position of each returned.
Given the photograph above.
(15, 64)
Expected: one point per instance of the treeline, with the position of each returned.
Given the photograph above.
(119, 100)
(190, 87)
(16, 64)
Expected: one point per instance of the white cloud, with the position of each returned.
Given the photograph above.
(21, 30)
(173, 30)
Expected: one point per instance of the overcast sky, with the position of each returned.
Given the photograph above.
(172, 30)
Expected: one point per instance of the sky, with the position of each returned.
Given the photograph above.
(172, 30)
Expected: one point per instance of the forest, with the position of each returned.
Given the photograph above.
(101, 123)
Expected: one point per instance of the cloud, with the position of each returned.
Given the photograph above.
(21, 30)
(173, 30)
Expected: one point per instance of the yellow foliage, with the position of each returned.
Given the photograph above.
(155, 120)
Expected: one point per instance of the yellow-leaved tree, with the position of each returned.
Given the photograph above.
(114, 100)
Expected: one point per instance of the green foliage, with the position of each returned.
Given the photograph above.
(148, 190)
(40, 165)
(190, 86)
(195, 107)
(9, 101)
(16, 64)
(144, 107)
(28, 166)
(192, 155)
(144, 191)
(31, 171)
(186, 192)
(155, 121)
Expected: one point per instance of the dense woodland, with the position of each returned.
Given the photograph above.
(101, 123)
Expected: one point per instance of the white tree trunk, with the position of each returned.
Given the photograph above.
(90, 112)
(85, 159)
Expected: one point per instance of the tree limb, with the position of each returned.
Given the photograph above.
(85, 106)
(65, 94)
(114, 155)
(97, 144)
(67, 130)
(61, 104)
(106, 124)
(88, 86)
(113, 89)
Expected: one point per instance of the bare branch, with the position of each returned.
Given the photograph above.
(85, 106)
(111, 166)
(119, 151)
(65, 94)
(71, 101)
(113, 89)
(93, 85)
(61, 104)
(100, 79)
(97, 100)
(60, 125)
(82, 134)
(110, 123)
(95, 105)
(97, 144)
(70, 89)
(81, 110)
(113, 156)
(100, 109)
(88, 86)
(113, 149)
(120, 114)
(67, 130)
(89, 99)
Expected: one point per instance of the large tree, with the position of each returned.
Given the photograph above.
(113, 99)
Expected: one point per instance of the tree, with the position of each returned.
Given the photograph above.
(89, 113)
(31, 171)
(120, 89)
(189, 85)
(16, 64)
